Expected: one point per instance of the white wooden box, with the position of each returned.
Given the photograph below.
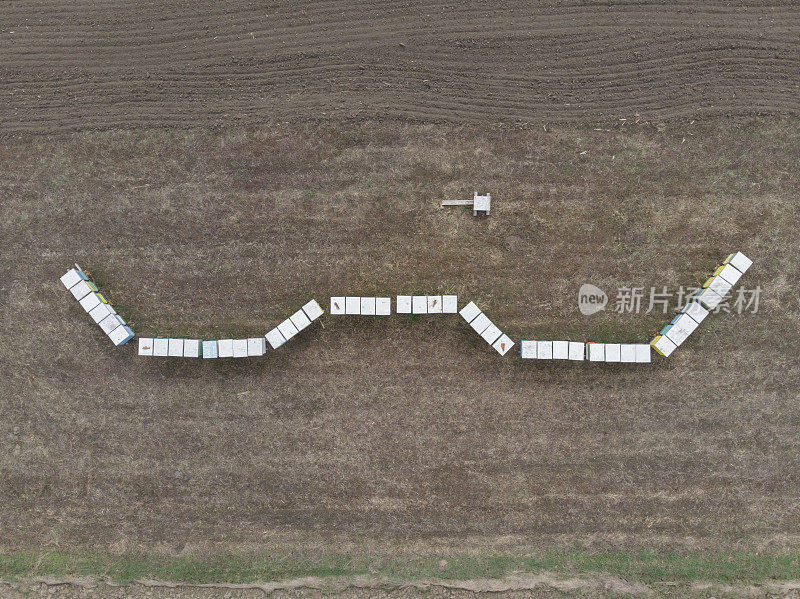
(240, 348)
(596, 351)
(527, 349)
(145, 346)
(481, 323)
(101, 311)
(352, 305)
(709, 298)
(450, 304)
(275, 338)
(720, 286)
(730, 274)
(544, 350)
(740, 262)
(470, 312)
(627, 353)
(299, 320)
(642, 351)
(383, 306)
(256, 346)
(225, 348)
(576, 350)
(90, 301)
(210, 349)
(287, 329)
(419, 304)
(503, 344)
(175, 348)
(613, 352)
(191, 348)
(696, 311)
(404, 304)
(71, 278)
(80, 290)
(111, 322)
(368, 306)
(687, 323)
(313, 310)
(491, 334)
(434, 304)
(121, 335)
(663, 345)
(560, 350)
(337, 305)
(160, 347)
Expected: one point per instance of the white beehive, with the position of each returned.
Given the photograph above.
(481, 203)
(527, 349)
(313, 310)
(121, 335)
(450, 304)
(576, 350)
(383, 306)
(613, 352)
(404, 304)
(256, 346)
(111, 322)
(368, 306)
(470, 312)
(90, 301)
(696, 311)
(491, 334)
(709, 298)
(627, 353)
(160, 347)
(71, 278)
(240, 348)
(337, 305)
(275, 338)
(729, 273)
(299, 320)
(81, 289)
(560, 350)
(101, 311)
(481, 323)
(210, 349)
(642, 351)
(719, 286)
(739, 261)
(191, 348)
(503, 344)
(352, 305)
(434, 304)
(145, 346)
(596, 351)
(287, 329)
(663, 345)
(175, 348)
(225, 348)
(419, 304)
(544, 350)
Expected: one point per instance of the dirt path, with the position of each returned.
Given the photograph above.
(80, 65)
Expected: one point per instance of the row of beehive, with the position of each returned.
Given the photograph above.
(96, 305)
(713, 292)
(481, 324)
(629, 353)
(382, 306)
(232, 348)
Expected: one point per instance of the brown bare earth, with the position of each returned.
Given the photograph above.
(393, 432)
(80, 64)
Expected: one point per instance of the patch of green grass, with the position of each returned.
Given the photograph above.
(641, 566)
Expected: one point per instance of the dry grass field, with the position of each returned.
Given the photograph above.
(216, 165)
(396, 433)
